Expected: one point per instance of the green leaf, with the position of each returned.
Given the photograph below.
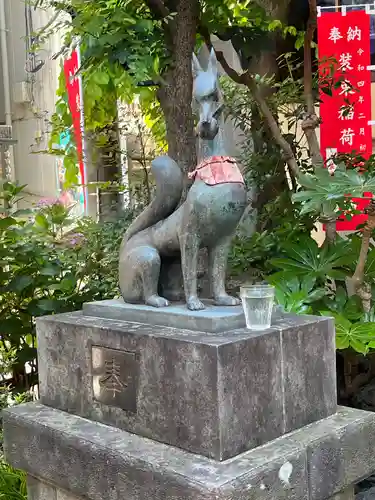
(41, 221)
(24, 212)
(358, 346)
(343, 325)
(101, 78)
(275, 24)
(11, 326)
(68, 283)
(353, 308)
(48, 305)
(370, 264)
(363, 331)
(315, 295)
(306, 259)
(300, 41)
(7, 222)
(341, 297)
(50, 270)
(95, 91)
(342, 342)
(19, 283)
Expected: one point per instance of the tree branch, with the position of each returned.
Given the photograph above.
(158, 7)
(272, 123)
(309, 37)
(310, 121)
(231, 72)
(247, 80)
(161, 11)
(356, 284)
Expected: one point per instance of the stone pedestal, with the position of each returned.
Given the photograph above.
(216, 394)
(131, 407)
(348, 494)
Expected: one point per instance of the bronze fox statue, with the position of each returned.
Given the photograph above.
(207, 219)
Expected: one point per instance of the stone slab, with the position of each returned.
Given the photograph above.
(215, 394)
(95, 461)
(212, 319)
(366, 495)
(39, 490)
(348, 494)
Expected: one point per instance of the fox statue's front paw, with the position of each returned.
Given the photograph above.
(194, 304)
(157, 301)
(227, 300)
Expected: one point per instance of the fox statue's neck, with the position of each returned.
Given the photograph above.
(214, 147)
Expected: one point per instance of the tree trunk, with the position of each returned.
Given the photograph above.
(108, 171)
(355, 284)
(175, 95)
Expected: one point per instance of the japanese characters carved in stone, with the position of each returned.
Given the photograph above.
(115, 375)
(165, 233)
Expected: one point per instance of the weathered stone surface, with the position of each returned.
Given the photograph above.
(212, 319)
(64, 495)
(216, 394)
(96, 461)
(338, 457)
(38, 490)
(339, 451)
(348, 494)
(366, 495)
(309, 361)
(365, 397)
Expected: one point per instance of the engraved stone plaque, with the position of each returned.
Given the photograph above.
(114, 377)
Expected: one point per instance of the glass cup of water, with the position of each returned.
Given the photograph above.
(257, 303)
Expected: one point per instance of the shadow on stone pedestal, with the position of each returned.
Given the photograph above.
(135, 410)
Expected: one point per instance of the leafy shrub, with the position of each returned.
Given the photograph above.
(312, 280)
(12, 483)
(252, 255)
(49, 263)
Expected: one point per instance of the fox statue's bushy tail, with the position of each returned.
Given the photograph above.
(169, 184)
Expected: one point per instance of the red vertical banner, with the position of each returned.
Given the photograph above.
(344, 44)
(75, 99)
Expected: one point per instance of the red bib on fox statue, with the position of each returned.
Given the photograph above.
(218, 170)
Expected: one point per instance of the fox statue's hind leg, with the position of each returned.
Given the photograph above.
(139, 277)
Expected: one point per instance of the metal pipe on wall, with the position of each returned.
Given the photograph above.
(5, 70)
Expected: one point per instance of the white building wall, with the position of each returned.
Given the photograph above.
(31, 119)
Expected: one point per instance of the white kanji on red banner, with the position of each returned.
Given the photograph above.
(335, 34)
(345, 114)
(354, 34)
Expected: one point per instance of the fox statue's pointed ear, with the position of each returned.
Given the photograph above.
(212, 62)
(196, 67)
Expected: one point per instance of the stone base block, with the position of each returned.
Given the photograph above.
(348, 494)
(96, 462)
(215, 394)
(213, 319)
(39, 490)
